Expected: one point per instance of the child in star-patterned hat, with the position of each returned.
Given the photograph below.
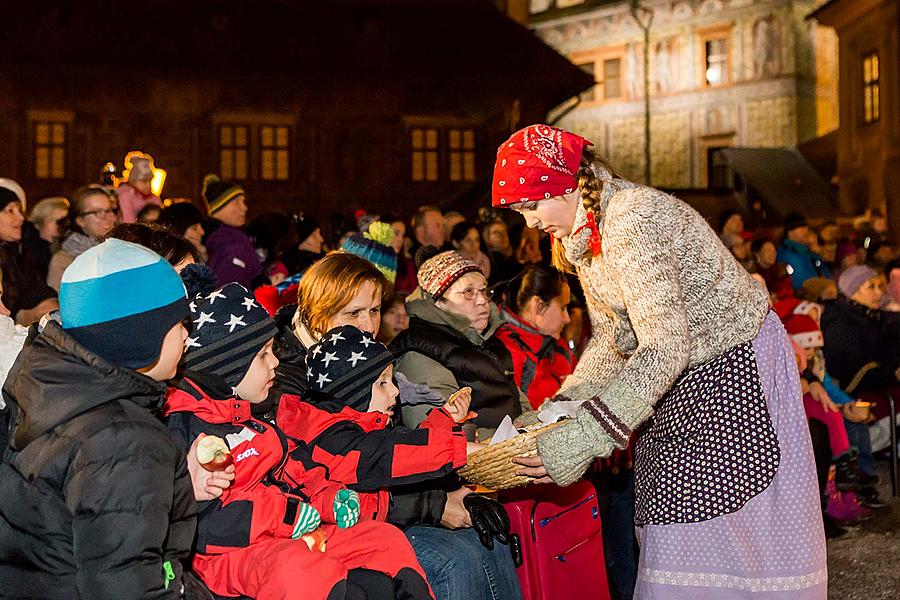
(250, 540)
(346, 419)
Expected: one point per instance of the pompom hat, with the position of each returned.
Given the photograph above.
(438, 272)
(218, 193)
(375, 246)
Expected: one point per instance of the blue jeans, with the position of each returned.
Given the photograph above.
(460, 568)
(858, 434)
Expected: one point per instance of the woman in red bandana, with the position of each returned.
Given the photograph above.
(684, 344)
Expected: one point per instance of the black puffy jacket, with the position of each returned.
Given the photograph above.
(95, 496)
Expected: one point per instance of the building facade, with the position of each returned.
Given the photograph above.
(722, 73)
(868, 141)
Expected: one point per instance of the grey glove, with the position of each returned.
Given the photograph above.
(412, 394)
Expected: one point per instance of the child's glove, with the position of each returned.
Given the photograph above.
(346, 508)
(307, 520)
(416, 393)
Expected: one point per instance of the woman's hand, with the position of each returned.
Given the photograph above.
(456, 515)
(208, 485)
(535, 468)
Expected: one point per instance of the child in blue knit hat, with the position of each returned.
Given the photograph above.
(95, 496)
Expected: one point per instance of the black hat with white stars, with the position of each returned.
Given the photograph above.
(230, 328)
(345, 364)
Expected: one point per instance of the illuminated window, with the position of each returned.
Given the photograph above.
(50, 149)
(423, 143)
(234, 152)
(871, 88)
(275, 154)
(589, 95)
(461, 150)
(716, 61)
(612, 78)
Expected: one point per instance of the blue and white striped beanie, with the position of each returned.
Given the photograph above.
(119, 300)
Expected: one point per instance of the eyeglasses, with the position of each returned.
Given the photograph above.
(471, 293)
(100, 212)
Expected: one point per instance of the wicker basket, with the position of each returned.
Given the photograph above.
(493, 467)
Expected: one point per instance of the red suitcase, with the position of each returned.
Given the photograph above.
(559, 532)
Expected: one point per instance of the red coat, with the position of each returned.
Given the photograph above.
(273, 472)
(540, 363)
(363, 452)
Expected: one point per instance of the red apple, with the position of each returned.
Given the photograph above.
(213, 453)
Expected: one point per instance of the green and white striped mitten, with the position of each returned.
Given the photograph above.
(346, 508)
(307, 520)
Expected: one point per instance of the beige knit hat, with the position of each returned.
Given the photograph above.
(439, 270)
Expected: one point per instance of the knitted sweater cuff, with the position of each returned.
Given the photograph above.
(568, 450)
(619, 410)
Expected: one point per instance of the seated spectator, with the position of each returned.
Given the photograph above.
(774, 273)
(344, 289)
(818, 290)
(186, 220)
(858, 342)
(309, 248)
(739, 245)
(272, 234)
(529, 251)
(466, 240)
(450, 342)
(730, 223)
(177, 251)
(50, 218)
(149, 214)
(135, 194)
(802, 263)
(374, 245)
(96, 499)
(250, 539)
(451, 219)
(231, 254)
(92, 216)
(394, 318)
(504, 265)
(27, 296)
(534, 319)
(406, 265)
(428, 229)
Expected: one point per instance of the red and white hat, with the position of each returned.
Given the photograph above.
(536, 163)
(804, 331)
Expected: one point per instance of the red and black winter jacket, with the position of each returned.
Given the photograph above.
(365, 452)
(540, 363)
(273, 472)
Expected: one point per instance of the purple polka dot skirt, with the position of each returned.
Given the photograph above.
(773, 547)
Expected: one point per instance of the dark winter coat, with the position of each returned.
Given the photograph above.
(440, 350)
(290, 374)
(231, 255)
(540, 362)
(273, 472)
(858, 337)
(95, 496)
(24, 278)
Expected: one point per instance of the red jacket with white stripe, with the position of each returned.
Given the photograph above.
(273, 472)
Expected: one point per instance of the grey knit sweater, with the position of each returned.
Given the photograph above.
(663, 295)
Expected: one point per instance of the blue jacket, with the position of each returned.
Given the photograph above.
(802, 263)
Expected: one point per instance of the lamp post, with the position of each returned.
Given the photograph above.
(643, 16)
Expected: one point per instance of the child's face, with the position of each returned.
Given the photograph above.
(259, 377)
(810, 353)
(170, 355)
(384, 393)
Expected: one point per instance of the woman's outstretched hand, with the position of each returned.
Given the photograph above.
(534, 468)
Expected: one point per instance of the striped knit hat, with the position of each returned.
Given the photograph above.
(375, 246)
(439, 270)
(119, 300)
(344, 365)
(230, 328)
(218, 193)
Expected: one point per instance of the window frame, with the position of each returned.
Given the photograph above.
(255, 122)
(871, 84)
(51, 119)
(710, 34)
(234, 148)
(599, 57)
(277, 149)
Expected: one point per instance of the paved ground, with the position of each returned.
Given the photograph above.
(865, 563)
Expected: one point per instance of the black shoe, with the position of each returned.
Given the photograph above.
(868, 497)
(867, 481)
(846, 473)
(832, 529)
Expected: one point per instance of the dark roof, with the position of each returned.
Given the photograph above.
(426, 42)
(821, 152)
(784, 180)
(586, 6)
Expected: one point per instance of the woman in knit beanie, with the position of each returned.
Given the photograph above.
(231, 254)
(683, 334)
